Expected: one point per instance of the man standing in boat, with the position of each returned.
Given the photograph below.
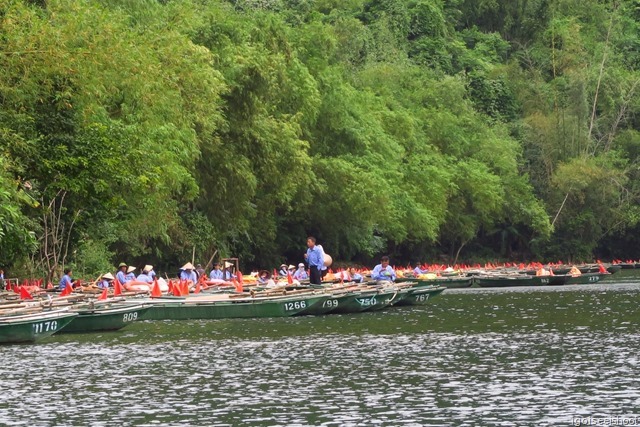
(383, 271)
(315, 259)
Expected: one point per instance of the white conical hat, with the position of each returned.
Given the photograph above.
(131, 269)
(107, 276)
(228, 264)
(187, 266)
(147, 268)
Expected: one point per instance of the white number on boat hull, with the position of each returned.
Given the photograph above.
(39, 328)
(297, 305)
(330, 303)
(130, 317)
(422, 297)
(367, 302)
(594, 278)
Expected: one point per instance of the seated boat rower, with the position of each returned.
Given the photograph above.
(188, 273)
(283, 270)
(301, 273)
(122, 273)
(144, 276)
(383, 271)
(216, 273)
(130, 277)
(105, 281)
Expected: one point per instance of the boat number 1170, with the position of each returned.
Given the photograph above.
(288, 306)
(39, 328)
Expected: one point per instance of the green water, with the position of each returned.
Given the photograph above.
(520, 356)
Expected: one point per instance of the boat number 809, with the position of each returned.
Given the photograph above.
(39, 328)
(288, 306)
(130, 317)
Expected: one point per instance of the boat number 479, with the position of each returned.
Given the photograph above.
(41, 327)
(297, 305)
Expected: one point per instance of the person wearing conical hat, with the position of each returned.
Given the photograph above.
(188, 273)
(150, 271)
(144, 276)
(227, 274)
(130, 274)
(216, 273)
(283, 270)
(105, 281)
(121, 274)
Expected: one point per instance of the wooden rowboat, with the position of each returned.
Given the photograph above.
(32, 327)
(108, 317)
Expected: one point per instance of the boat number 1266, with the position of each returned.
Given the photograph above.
(39, 328)
(288, 306)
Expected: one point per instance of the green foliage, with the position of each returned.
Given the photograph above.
(376, 125)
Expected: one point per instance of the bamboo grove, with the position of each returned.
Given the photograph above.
(467, 129)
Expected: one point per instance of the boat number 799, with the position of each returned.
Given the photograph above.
(297, 305)
(41, 327)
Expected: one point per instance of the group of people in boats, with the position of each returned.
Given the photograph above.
(314, 270)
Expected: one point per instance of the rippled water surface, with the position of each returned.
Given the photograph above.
(519, 356)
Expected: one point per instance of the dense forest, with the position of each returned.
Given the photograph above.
(147, 131)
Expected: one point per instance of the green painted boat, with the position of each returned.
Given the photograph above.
(585, 278)
(192, 308)
(327, 305)
(32, 327)
(449, 282)
(419, 295)
(367, 300)
(504, 281)
(105, 318)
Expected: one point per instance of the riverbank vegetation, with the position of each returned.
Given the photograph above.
(155, 130)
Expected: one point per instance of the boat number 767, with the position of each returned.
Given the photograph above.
(41, 327)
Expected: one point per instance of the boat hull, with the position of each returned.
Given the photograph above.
(105, 319)
(419, 295)
(228, 309)
(30, 328)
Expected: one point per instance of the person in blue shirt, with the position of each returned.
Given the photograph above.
(188, 273)
(216, 273)
(144, 276)
(355, 276)
(315, 259)
(130, 275)
(383, 271)
(301, 273)
(121, 275)
(150, 272)
(227, 273)
(105, 281)
(66, 279)
(418, 271)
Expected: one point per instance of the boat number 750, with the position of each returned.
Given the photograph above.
(288, 306)
(39, 328)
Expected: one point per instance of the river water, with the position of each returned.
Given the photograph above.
(503, 357)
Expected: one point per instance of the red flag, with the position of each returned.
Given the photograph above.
(170, 286)
(24, 293)
(601, 269)
(66, 291)
(197, 289)
(239, 287)
(117, 288)
(289, 278)
(104, 295)
(240, 279)
(15, 289)
(155, 290)
(176, 290)
(275, 273)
